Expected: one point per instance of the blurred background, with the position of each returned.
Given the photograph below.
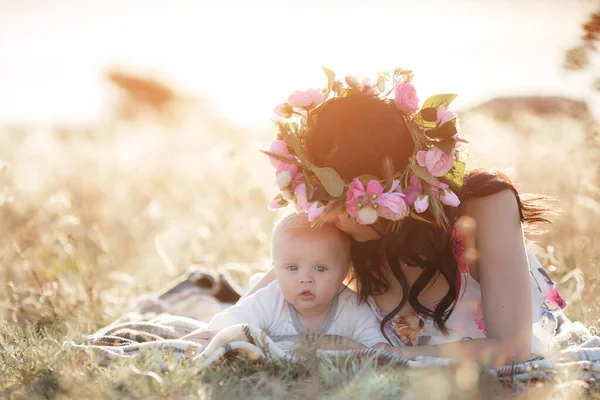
(130, 130)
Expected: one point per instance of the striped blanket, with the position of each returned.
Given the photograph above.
(576, 352)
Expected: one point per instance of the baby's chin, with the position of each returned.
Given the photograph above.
(308, 303)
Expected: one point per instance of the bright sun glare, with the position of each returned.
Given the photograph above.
(248, 59)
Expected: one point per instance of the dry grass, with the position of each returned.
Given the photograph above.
(90, 217)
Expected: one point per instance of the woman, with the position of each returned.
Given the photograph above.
(390, 175)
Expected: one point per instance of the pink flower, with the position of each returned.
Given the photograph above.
(556, 298)
(421, 203)
(367, 87)
(284, 110)
(436, 161)
(302, 204)
(442, 191)
(366, 204)
(478, 318)
(393, 206)
(414, 189)
(286, 174)
(277, 202)
(306, 99)
(280, 148)
(449, 198)
(458, 249)
(361, 202)
(406, 98)
(315, 210)
(444, 115)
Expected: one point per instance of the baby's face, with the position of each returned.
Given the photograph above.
(310, 266)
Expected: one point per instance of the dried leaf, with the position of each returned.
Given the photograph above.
(330, 79)
(280, 157)
(445, 131)
(330, 179)
(437, 210)
(380, 84)
(429, 114)
(319, 193)
(420, 218)
(388, 170)
(445, 145)
(292, 141)
(422, 173)
(365, 178)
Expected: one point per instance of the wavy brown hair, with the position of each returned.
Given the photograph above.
(354, 135)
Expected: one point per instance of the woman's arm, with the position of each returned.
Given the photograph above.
(264, 281)
(503, 273)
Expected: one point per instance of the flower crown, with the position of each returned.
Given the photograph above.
(419, 192)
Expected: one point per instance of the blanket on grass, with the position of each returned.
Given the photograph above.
(159, 324)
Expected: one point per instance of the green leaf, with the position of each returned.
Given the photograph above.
(330, 79)
(443, 132)
(330, 179)
(422, 173)
(445, 145)
(418, 120)
(439, 100)
(455, 176)
(429, 114)
(381, 84)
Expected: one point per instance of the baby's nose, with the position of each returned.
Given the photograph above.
(307, 279)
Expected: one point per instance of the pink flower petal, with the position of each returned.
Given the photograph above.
(374, 187)
(393, 206)
(301, 203)
(449, 198)
(405, 98)
(284, 110)
(277, 202)
(315, 210)
(421, 203)
(421, 157)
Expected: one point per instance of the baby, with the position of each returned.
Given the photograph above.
(308, 295)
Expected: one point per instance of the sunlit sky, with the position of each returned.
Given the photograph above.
(247, 56)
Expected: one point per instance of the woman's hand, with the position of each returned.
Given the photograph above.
(326, 342)
(200, 336)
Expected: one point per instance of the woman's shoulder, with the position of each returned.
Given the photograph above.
(503, 202)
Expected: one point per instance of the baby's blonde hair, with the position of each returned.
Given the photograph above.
(297, 222)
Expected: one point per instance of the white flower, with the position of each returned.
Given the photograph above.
(367, 215)
(283, 179)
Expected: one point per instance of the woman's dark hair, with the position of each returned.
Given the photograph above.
(354, 135)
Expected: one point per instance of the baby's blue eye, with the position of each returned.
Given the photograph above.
(321, 268)
(293, 268)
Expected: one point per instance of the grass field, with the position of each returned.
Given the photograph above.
(91, 217)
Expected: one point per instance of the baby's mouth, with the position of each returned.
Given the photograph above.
(307, 294)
